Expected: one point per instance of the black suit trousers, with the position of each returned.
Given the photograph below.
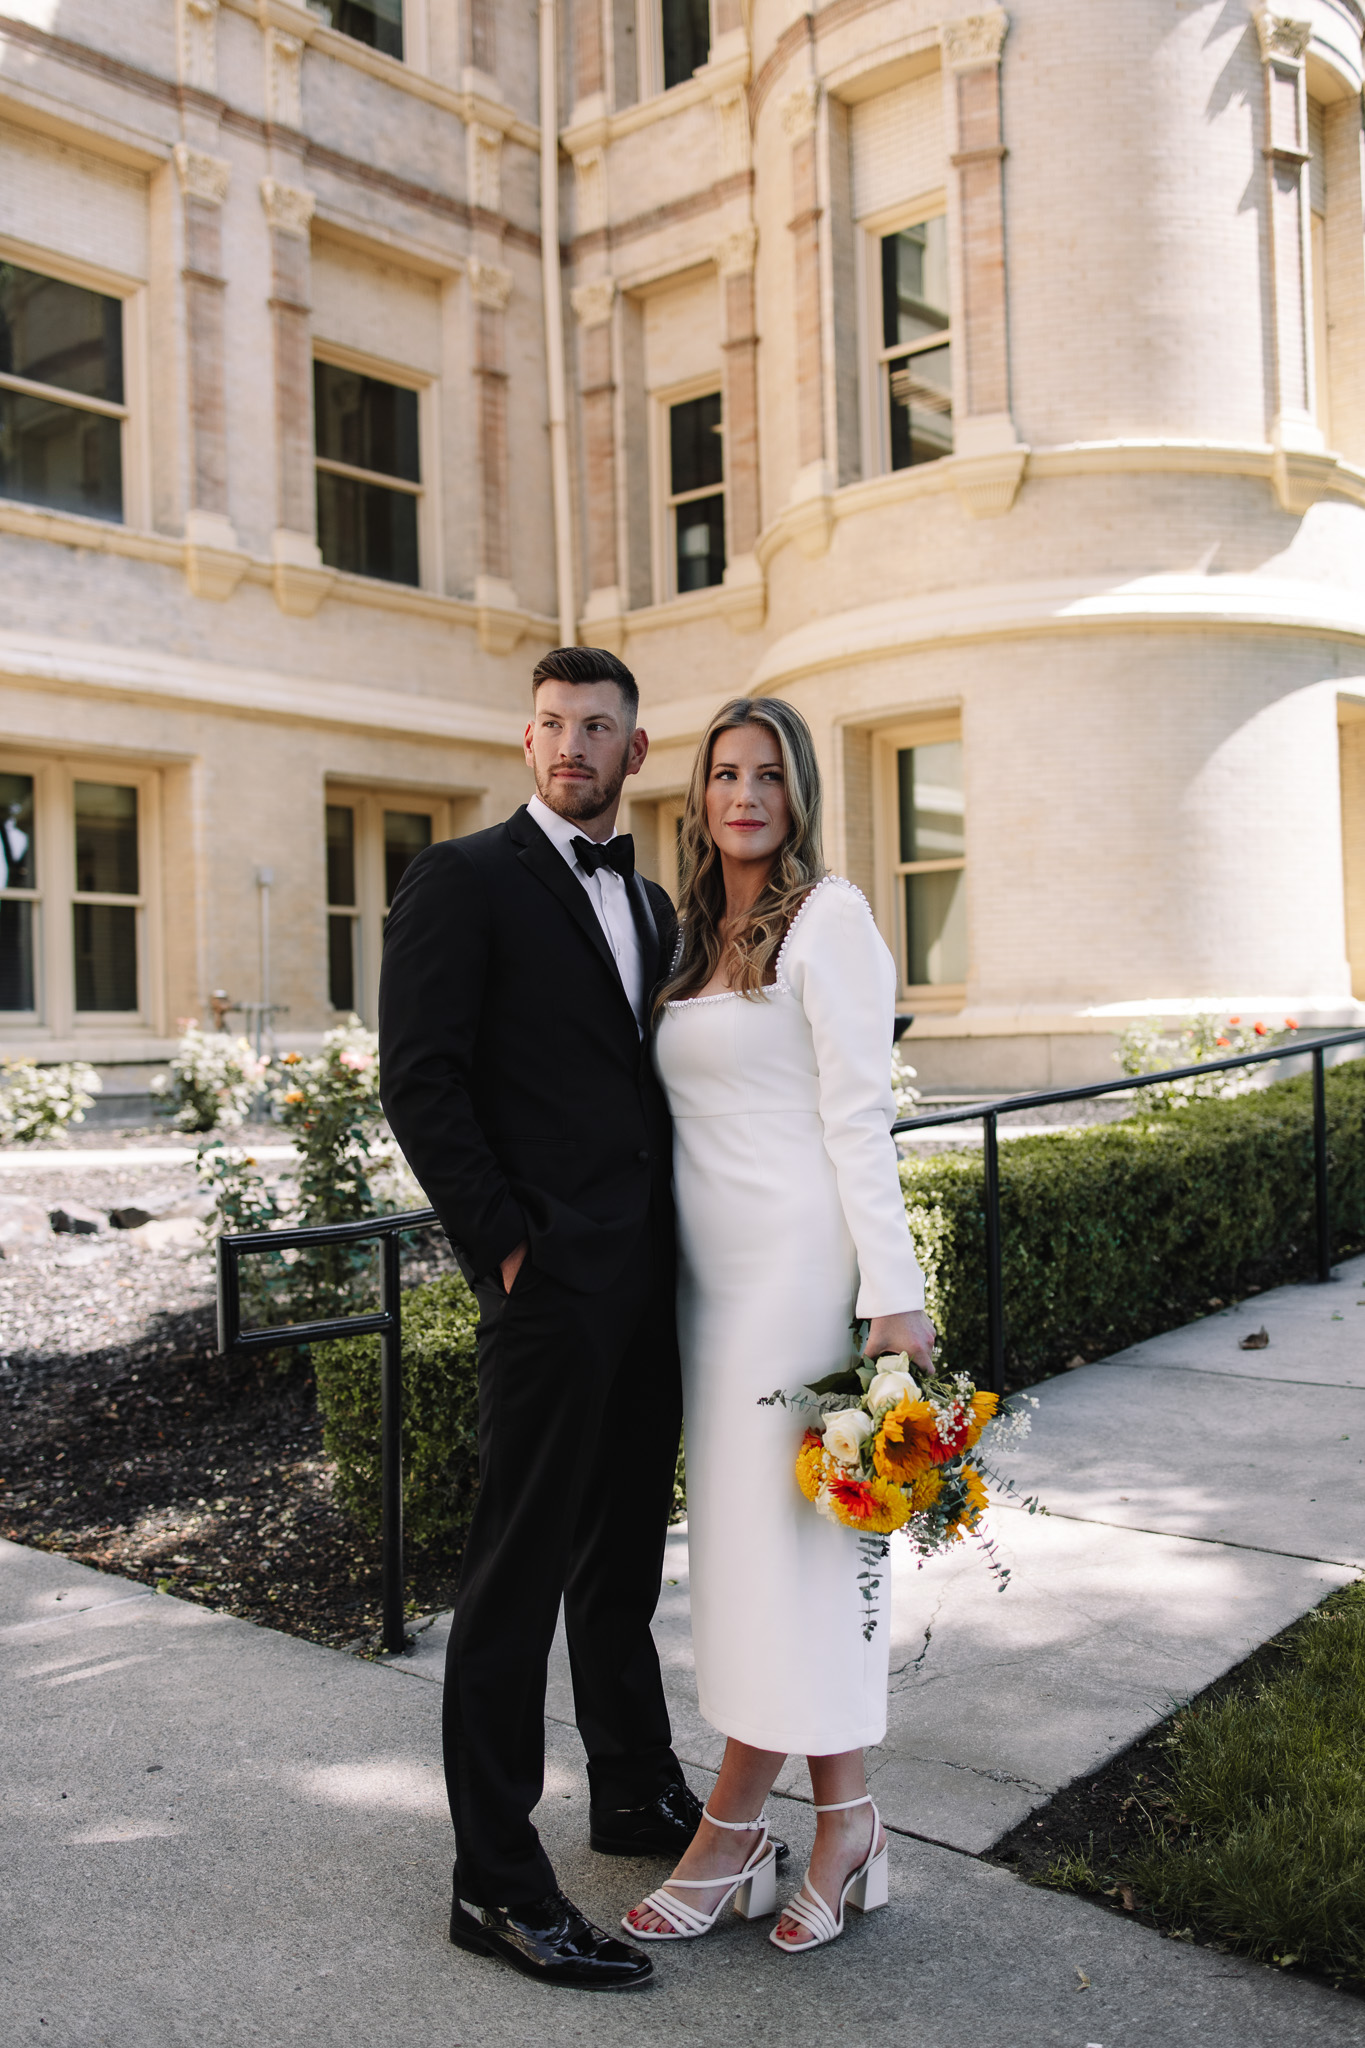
(579, 1412)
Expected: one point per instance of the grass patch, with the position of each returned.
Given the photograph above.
(1240, 1823)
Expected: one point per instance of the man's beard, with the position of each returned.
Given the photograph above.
(581, 802)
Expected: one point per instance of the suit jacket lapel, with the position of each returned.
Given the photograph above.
(549, 866)
(648, 932)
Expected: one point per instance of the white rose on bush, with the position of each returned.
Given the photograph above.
(846, 1431)
(893, 1384)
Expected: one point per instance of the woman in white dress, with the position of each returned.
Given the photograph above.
(774, 1045)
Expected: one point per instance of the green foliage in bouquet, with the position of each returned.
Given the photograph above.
(440, 1415)
(1112, 1234)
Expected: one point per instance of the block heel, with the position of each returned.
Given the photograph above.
(871, 1889)
(758, 1893)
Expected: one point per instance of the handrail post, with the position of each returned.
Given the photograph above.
(391, 1445)
(995, 1286)
(1324, 1213)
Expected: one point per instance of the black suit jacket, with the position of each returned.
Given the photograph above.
(512, 1072)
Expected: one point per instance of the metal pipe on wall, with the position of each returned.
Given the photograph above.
(554, 324)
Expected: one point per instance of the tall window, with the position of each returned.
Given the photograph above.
(19, 899)
(376, 22)
(371, 840)
(686, 38)
(916, 351)
(930, 861)
(73, 892)
(61, 394)
(369, 473)
(696, 496)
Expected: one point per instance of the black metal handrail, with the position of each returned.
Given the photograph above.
(387, 1321)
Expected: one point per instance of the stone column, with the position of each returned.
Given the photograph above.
(499, 613)
(1294, 432)
(1345, 268)
(593, 304)
(814, 483)
(301, 581)
(739, 352)
(214, 562)
(990, 458)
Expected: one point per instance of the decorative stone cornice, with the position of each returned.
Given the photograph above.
(202, 176)
(731, 109)
(489, 284)
(1283, 39)
(974, 39)
(288, 208)
(799, 110)
(736, 251)
(592, 302)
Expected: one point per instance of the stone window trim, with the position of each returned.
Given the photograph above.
(873, 355)
(427, 492)
(55, 897)
(665, 502)
(134, 412)
(932, 728)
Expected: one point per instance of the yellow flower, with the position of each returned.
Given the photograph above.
(983, 1409)
(810, 1464)
(926, 1490)
(899, 1450)
(977, 1503)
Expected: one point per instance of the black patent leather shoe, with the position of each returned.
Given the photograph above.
(550, 1939)
(662, 1828)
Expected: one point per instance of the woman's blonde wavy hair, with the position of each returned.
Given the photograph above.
(751, 952)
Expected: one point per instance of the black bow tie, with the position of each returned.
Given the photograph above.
(618, 853)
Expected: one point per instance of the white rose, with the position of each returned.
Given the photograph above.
(890, 1387)
(846, 1431)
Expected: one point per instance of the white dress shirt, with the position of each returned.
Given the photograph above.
(609, 897)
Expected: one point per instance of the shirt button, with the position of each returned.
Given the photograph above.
(643, 1158)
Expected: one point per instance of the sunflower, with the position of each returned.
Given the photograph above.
(810, 1463)
(973, 1506)
(983, 1410)
(901, 1448)
(926, 1490)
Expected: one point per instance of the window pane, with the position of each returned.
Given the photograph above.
(936, 927)
(694, 439)
(340, 853)
(106, 844)
(701, 543)
(367, 423)
(52, 455)
(915, 283)
(931, 801)
(106, 956)
(342, 936)
(16, 955)
(405, 834)
(17, 869)
(366, 529)
(687, 38)
(376, 22)
(61, 334)
(921, 392)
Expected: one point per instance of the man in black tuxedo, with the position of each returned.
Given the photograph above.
(519, 968)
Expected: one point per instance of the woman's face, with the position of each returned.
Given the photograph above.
(746, 795)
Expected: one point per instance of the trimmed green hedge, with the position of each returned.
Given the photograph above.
(1115, 1233)
(1109, 1235)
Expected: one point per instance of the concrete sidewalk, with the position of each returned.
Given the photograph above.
(215, 1834)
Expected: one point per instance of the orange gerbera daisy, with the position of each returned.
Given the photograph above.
(810, 1463)
(875, 1505)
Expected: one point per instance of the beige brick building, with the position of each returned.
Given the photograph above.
(990, 385)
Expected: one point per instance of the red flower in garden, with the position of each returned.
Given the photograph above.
(1234, 1020)
(1291, 1023)
(1259, 1029)
(1222, 1041)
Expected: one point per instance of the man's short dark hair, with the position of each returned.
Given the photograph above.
(587, 665)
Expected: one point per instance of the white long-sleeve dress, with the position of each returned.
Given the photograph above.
(789, 1215)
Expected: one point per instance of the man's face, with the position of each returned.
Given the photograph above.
(581, 746)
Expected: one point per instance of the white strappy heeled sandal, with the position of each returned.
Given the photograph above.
(753, 1889)
(866, 1889)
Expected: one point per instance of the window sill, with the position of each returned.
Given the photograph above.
(703, 85)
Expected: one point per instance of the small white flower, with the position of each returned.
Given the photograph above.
(889, 1387)
(846, 1431)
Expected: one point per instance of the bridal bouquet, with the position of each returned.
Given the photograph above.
(893, 1450)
